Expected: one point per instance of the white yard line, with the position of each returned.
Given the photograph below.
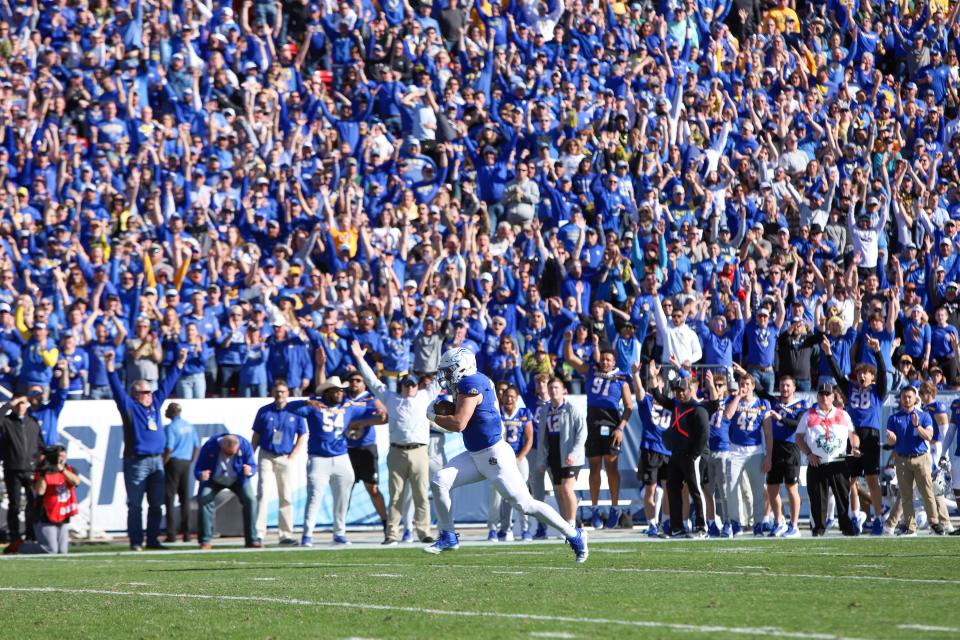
(509, 553)
(551, 634)
(923, 627)
(645, 624)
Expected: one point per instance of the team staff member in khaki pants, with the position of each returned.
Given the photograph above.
(280, 435)
(408, 459)
(910, 430)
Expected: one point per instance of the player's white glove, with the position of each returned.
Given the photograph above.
(431, 414)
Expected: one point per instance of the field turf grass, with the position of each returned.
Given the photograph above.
(814, 589)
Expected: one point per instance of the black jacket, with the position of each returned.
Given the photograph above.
(20, 441)
(689, 429)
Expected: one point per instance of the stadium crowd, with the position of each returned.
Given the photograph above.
(709, 186)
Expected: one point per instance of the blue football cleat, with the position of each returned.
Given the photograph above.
(792, 531)
(526, 537)
(767, 527)
(713, 530)
(306, 541)
(665, 527)
(407, 536)
(541, 533)
(778, 530)
(737, 529)
(652, 531)
(727, 531)
(340, 540)
(492, 535)
(758, 530)
(857, 524)
(828, 524)
(595, 520)
(446, 541)
(579, 545)
(876, 528)
(613, 518)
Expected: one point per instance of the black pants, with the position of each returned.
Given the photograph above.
(229, 384)
(17, 481)
(821, 480)
(178, 484)
(684, 469)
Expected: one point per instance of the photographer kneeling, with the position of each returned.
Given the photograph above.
(53, 486)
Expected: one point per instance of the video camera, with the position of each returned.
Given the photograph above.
(51, 456)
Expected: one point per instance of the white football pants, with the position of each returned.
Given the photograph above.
(498, 464)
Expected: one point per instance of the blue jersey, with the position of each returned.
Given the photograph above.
(792, 411)
(485, 428)
(327, 426)
(719, 440)
(513, 428)
(368, 435)
(533, 405)
(864, 405)
(655, 420)
(955, 419)
(746, 428)
(934, 409)
(605, 390)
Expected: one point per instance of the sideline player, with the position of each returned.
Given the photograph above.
(866, 391)
(476, 414)
(518, 432)
(362, 444)
(745, 411)
(782, 460)
(654, 455)
(609, 405)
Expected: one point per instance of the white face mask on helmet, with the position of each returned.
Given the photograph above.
(455, 364)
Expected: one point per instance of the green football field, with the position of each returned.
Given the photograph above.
(816, 589)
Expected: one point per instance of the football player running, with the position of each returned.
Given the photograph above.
(476, 414)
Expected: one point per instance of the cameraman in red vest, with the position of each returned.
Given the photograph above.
(53, 485)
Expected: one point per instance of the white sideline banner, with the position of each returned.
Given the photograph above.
(94, 436)
(96, 424)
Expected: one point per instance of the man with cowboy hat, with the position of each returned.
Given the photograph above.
(328, 419)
